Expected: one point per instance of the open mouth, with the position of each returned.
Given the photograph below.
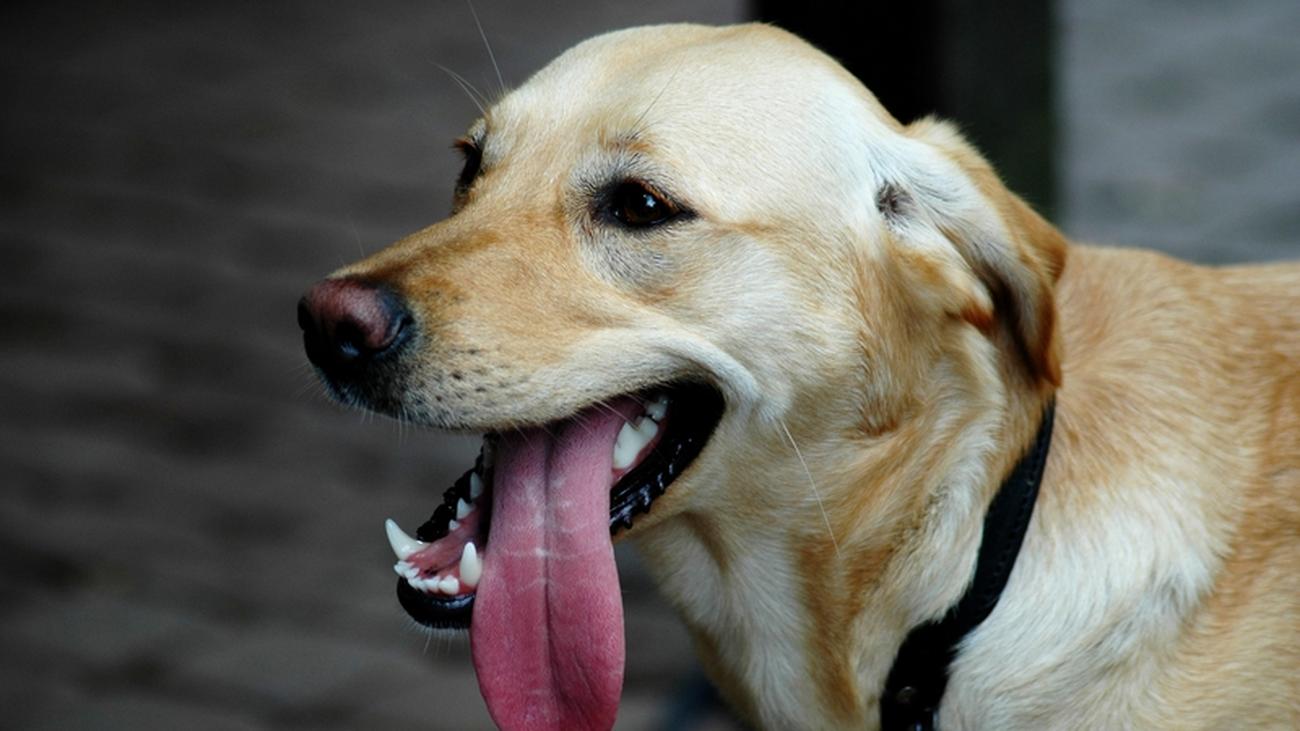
(521, 551)
(661, 433)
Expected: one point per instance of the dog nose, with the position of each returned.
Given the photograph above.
(348, 323)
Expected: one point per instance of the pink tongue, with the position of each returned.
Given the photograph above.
(547, 630)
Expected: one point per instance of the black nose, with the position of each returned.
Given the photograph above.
(349, 323)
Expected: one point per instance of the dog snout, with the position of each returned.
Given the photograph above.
(349, 323)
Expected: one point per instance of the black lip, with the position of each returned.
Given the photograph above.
(435, 612)
(696, 411)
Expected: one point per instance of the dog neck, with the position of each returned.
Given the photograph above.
(920, 673)
(799, 598)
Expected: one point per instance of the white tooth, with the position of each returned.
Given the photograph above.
(470, 566)
(632, 438)
(403, 545)
(627, 446)
(657, 408)
(462, 509)
(475, 485)
(452, 525)
(449, 585)
(647, 428)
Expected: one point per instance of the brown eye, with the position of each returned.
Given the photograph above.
(636, 206)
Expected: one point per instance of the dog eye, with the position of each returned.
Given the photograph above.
(473, 161)
(636, 205)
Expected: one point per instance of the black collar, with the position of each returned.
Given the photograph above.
(920, 673)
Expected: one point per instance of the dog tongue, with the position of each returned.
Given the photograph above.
(547, 630)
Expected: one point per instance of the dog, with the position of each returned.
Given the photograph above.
(703, 293)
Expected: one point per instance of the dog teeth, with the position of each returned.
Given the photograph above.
(476, 484)
(658, 408)
(471, 568)
(429, 584)
(403, 545)
(462, 509)
(632, 438)
(648, 427)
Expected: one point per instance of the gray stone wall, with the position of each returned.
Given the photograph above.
(1181, 126)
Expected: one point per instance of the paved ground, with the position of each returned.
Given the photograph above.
(189, 534)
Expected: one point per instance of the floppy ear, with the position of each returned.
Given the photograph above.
(946, 199)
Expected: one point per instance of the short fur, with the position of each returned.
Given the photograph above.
(886, 321)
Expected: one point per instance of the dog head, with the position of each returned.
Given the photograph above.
(714, 239)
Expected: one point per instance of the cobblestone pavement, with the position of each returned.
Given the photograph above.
(189, 533)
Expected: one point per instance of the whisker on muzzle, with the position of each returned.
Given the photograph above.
(813, 485)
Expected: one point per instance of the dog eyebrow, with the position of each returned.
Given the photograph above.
(626, 155)
(622, 155)
(633, 143)
(476, 135)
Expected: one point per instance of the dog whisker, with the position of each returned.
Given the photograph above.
(305, 388)
(491, 56)
(604, 404)
(471, 91)
(813, 484)
(638, 125)
(356, 234)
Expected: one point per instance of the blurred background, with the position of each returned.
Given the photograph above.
(190, 533)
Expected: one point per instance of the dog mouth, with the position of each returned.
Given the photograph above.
(662, 431)
(520, 550)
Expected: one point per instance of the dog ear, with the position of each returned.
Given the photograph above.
(1001, 258)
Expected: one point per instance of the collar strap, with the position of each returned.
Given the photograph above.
(920, 673)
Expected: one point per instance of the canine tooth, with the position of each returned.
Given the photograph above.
(403, 545)
(449, 585)
(452, 525)
(627, 446)
(657, 408)
(476, 484)
(462, 509)
(647, 427)
(471, 568)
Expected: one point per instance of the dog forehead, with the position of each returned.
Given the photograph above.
(675, 72)
(699, 93)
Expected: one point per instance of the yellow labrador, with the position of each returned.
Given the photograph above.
(704, 293)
